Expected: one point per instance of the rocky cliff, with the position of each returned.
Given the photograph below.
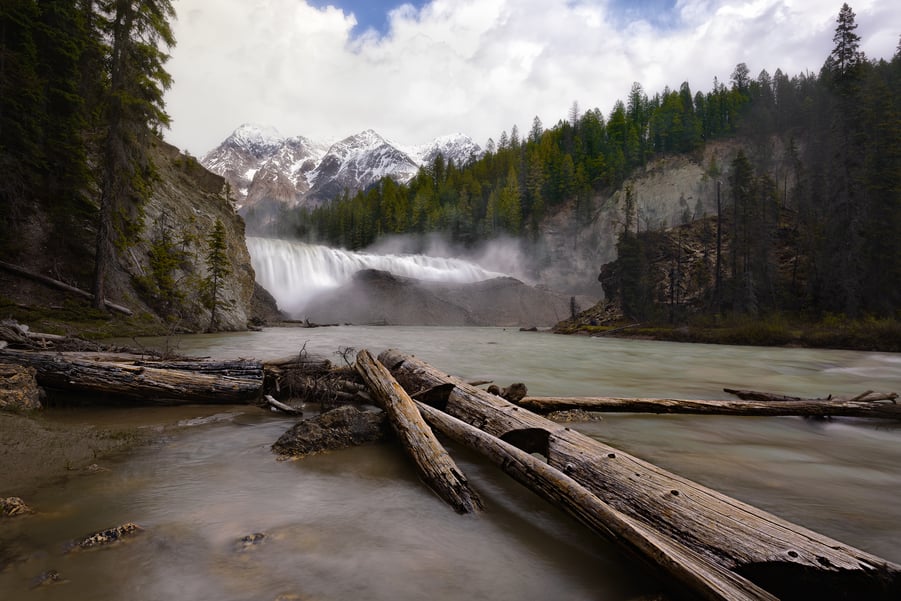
(575, 242)
(186, 202)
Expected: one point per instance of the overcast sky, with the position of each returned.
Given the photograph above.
(415, 71)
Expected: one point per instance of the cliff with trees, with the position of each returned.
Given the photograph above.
(91, 196)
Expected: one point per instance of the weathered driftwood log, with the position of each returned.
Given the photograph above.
(688, 569)
(60, 285)
(432, 461)
(788, 560)
(805, 407)
(868, 396)
(133, 382)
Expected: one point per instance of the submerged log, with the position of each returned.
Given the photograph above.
(135, 382)
(786, 559)
(687, 568)
(432, 461)
(835, 407)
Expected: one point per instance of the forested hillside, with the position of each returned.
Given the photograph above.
(89, 193)
(841, 203)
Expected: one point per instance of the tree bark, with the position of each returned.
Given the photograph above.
(135, 382)
(688, 569)
(835, 407)
(788, 560)
(432, 461)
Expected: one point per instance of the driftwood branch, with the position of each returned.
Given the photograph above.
(784, 558)
(60, 285)
(836, 407)
(868, 396)
(689, 569)
(279, 406)
(432, 461)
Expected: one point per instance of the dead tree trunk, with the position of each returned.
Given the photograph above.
(802, 407)
(60, 285)
(688, 569)
(433, 463)
(136, 382)
(786, 559)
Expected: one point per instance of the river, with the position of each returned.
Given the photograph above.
(358, 524)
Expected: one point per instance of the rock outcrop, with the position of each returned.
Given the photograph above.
(381, 298)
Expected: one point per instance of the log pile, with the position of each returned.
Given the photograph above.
(714, 545)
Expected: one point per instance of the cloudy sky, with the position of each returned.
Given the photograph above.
(414, 71)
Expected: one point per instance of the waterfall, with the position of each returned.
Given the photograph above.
(296, 272)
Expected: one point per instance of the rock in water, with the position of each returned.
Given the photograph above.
(13, 506)
(18, 388)
(339, 428)
(105, 538)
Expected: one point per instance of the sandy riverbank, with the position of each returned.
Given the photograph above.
(36, 450)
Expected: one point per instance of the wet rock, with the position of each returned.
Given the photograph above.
(11, 507)
(250, 541)
(45, 578)
(105, 538)
(18, 388)
(339, 428)
(515, 392)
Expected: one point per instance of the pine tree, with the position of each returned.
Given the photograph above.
(218, 269)
(845, 57)
(133, 113)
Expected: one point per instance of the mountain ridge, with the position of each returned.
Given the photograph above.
(268, 172)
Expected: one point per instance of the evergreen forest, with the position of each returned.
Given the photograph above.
(841, 217)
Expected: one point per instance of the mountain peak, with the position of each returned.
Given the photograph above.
(252, 134)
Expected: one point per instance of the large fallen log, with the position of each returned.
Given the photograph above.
(835, 407)
(135, 382)
(786, 559)
(688, 569)
(432, 461)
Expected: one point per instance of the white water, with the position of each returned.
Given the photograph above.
(296, 272)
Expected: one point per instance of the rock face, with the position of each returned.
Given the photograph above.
(18, 388)
(186, 202)
(379, 297)
(339, 428)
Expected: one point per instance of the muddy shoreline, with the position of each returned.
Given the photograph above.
(42, 448)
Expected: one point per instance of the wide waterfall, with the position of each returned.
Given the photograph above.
(296, 272)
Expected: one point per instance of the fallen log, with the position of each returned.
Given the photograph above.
(135, 382)
(786, 559)
(688, 569)
(60, 285)
(432, 461)
(799, 407)
(868, 396)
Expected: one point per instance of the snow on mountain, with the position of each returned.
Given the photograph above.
(266, 170)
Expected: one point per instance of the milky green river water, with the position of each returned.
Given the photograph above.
(358, 525)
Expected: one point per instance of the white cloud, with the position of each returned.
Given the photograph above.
(473, 66)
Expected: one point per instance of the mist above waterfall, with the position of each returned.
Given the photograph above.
(296, 272)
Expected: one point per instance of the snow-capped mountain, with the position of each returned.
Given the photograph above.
(267, 171)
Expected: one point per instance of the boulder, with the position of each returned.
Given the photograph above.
(343, 427)
(18, 388)
(13, 506)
